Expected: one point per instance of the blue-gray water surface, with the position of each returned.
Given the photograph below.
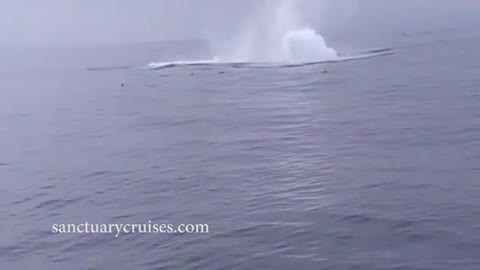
(373, 165)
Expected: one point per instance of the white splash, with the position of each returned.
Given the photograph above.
(306, 46)
(277, 34)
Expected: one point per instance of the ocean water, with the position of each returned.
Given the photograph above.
(373, 165)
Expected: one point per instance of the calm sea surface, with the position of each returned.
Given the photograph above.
(374, 165)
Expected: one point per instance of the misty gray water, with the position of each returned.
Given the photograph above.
(373, 165)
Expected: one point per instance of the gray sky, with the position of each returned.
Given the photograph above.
(31, 22)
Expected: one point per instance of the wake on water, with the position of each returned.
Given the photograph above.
(239, 64)
(285, 41)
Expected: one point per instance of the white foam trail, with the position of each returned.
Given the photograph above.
(161, 65)
(365, 55)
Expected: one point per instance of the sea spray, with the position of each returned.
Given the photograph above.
(277, 33)
(306, 46)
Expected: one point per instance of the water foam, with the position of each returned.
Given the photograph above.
(162, 65)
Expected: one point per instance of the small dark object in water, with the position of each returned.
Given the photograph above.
(191, 74)
(122, 84)
(221, 72)
(325, 71)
